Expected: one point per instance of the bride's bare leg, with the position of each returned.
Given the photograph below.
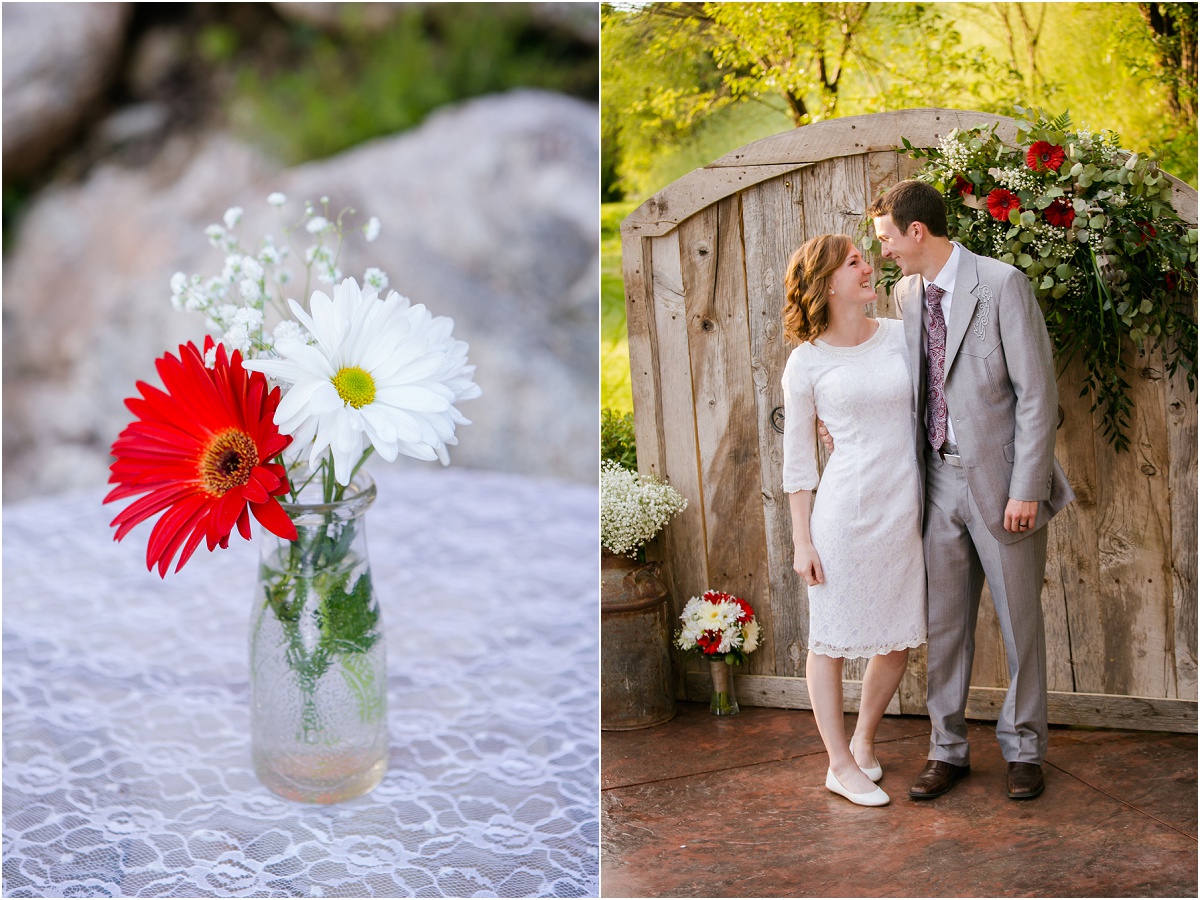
(879, 685)
(824, 677)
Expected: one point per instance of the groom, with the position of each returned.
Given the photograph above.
(987, 410)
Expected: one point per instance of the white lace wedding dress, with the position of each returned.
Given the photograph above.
(866, 525)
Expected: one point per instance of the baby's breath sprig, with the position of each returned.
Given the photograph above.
(633, 508)
(234, 303)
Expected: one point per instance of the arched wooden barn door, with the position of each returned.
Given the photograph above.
(704, 263)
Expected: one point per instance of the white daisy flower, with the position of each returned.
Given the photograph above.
(379, 373)
(276, 199)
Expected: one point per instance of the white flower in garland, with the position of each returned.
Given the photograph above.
(379, 373)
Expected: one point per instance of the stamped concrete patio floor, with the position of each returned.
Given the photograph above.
(707, 807)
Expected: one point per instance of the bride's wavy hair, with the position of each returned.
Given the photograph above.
(806, 287)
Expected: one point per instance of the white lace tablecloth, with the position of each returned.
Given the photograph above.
(127, 768)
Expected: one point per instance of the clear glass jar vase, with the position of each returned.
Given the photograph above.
(318, 663)
(724, 699)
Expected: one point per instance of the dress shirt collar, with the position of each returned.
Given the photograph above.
(946, 277)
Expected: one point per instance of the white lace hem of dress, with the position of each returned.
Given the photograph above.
(863, 652)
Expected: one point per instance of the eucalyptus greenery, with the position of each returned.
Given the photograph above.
(1092, 226)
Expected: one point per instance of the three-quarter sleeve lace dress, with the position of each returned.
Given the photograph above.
(866, 526)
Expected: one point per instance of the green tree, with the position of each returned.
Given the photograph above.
(1172, 34)
(668, 68)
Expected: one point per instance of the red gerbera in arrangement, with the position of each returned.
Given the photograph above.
(718, 624)
(1060, 213)
(1000, 202)
(1089, 224)
(1044, 155)
(199, 453)
(963, 186)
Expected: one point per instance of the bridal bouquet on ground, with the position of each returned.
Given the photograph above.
(275, 425)
(719, 627)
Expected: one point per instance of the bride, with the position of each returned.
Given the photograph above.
(858, 546)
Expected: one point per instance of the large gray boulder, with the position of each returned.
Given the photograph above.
(490, 215)
(58, 60)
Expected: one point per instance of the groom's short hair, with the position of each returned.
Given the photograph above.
(913, 201)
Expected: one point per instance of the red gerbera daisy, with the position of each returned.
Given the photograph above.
(1060, 213)
(199, 450)
(747, 612)
(1000, 201)
(1044, 155)
(963, 186)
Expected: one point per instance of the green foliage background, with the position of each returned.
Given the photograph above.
(331, 91)
(663, 112)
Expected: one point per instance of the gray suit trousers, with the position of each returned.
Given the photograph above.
(959, 553)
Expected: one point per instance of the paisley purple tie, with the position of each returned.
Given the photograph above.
(935, 408)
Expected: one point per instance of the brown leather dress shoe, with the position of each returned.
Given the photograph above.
(936, 778)
(1025, 781)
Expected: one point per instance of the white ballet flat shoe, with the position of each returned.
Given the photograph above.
(875, 773)
(875, 798)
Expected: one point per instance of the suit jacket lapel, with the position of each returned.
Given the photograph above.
(962, 308)
(913, 305)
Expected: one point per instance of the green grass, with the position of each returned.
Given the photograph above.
(332, 91)
(616, 392)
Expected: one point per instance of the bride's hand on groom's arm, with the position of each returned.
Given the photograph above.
(808, 564)
(825, 436)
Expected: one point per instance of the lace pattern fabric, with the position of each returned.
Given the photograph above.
(865, 524)
(127, 766)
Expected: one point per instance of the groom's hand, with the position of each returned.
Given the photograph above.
(1020, 516)
(825, 436)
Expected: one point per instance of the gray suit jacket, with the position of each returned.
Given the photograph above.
(1000, 388)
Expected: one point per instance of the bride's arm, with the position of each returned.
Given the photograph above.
(807, 563)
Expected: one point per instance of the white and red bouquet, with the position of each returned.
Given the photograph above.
(719, 626)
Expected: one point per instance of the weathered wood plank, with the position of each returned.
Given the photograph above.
(1183, 199)
(682, 541)
(1181, 482)
(693, 192)
(908, 166)
(856, 135)
(1093, 710)
(1134, 552)
(637, 268)
(773, 227)
(835, 193)
(1073, 565)
(714, 274)
(1097, 710)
